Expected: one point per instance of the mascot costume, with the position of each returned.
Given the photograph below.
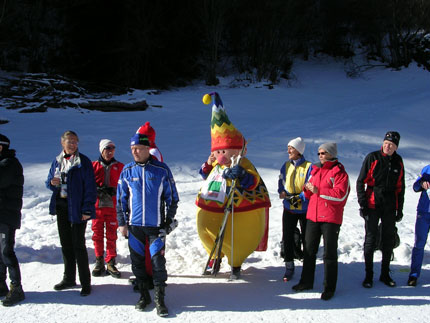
(248, 230)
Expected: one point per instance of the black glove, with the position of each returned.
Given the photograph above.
(169, 226)
(101, 191)
(294, 201)
(234, 172)
(399, 215)
(111, 190)
(364, 213)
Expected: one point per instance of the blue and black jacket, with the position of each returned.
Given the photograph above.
(146, 195)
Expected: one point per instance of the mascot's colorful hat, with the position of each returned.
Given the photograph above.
(224, 135)
(147, 130)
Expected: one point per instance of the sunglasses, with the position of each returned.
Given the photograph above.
(110, 148)
(323, 153)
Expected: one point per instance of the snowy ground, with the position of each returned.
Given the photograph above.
(321, 105)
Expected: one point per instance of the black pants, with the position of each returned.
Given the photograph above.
(72, 239)
(388, 227)
(8, 258)
(289, 223)
(137, 239)
(330, 234)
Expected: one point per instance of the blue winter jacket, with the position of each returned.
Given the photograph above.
(424, 202)
(81, 188)
(146, 195)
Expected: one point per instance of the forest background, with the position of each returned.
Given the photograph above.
(158, 44)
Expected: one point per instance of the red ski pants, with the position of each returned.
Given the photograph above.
(105, 219)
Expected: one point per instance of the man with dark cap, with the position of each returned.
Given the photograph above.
(11, 190)
(147, 201)
(380, 191)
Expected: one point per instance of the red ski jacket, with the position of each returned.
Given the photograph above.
(328, 203)
(107, 175)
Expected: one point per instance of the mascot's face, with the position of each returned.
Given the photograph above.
(223, 156)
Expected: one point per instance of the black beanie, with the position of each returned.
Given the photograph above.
(393, 136)
(4, 141)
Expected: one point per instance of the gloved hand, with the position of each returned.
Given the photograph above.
(364, 213)
(162, 233)
(294, 201)
(170, 225)
(103, 191)
(399, 215)
(111, 190)
(234, 172)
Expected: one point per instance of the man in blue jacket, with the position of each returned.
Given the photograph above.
(422, 224)
(71, 180)
(147, 200)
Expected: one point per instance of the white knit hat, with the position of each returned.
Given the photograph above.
(104, 143)
(298, 144)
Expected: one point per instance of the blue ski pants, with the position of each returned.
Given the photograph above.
(422, 226)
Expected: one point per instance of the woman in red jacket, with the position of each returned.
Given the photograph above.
(327, 191)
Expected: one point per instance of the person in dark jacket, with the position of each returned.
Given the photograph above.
(422, 224)
(147, 200)
(380, 191)
(71, 180)
(11, 190)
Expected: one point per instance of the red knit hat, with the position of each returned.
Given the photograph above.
(147, 130)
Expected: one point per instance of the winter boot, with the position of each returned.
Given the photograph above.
(387, 280)
(99, 268)
(145, 298)
(368, 280)
(15, 295)
(3, 289)
(111, 269)
(86, 290)
(159, 301)
(412, 281)
(385, 270)
(235, 273)
(289, 270)
(64, 284)
(327, 294)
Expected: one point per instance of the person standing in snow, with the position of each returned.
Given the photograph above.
(327, 190)
(293, 176)
(71, 180)
(11, 191)
(380, 191)
(149, 131)
(147, 201)
(422, 224)
(106, 170)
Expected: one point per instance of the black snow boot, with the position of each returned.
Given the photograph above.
(99, 268)
(3, 289)
(112, 270)
(235, 273)
(15, 295)
(159, 301)
(368, 280)
(145, 298)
